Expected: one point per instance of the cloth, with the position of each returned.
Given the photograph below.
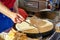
(5, 23)
(22, 13)
(8, 3)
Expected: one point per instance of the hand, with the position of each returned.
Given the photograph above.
(17, 18)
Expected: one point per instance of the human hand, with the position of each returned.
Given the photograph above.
(17, 18)
(20, 16)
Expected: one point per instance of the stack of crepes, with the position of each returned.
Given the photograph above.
(41, 26)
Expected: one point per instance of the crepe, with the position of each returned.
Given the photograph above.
(27, 28)
(43, 25)
(46, 27)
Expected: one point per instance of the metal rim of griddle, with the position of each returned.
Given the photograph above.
(37, 35)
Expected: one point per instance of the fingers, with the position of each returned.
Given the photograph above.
(19, 19)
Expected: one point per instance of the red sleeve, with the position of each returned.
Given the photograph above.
(8, 3)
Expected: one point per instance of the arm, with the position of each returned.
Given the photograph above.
(15, 18)
(5, 10)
